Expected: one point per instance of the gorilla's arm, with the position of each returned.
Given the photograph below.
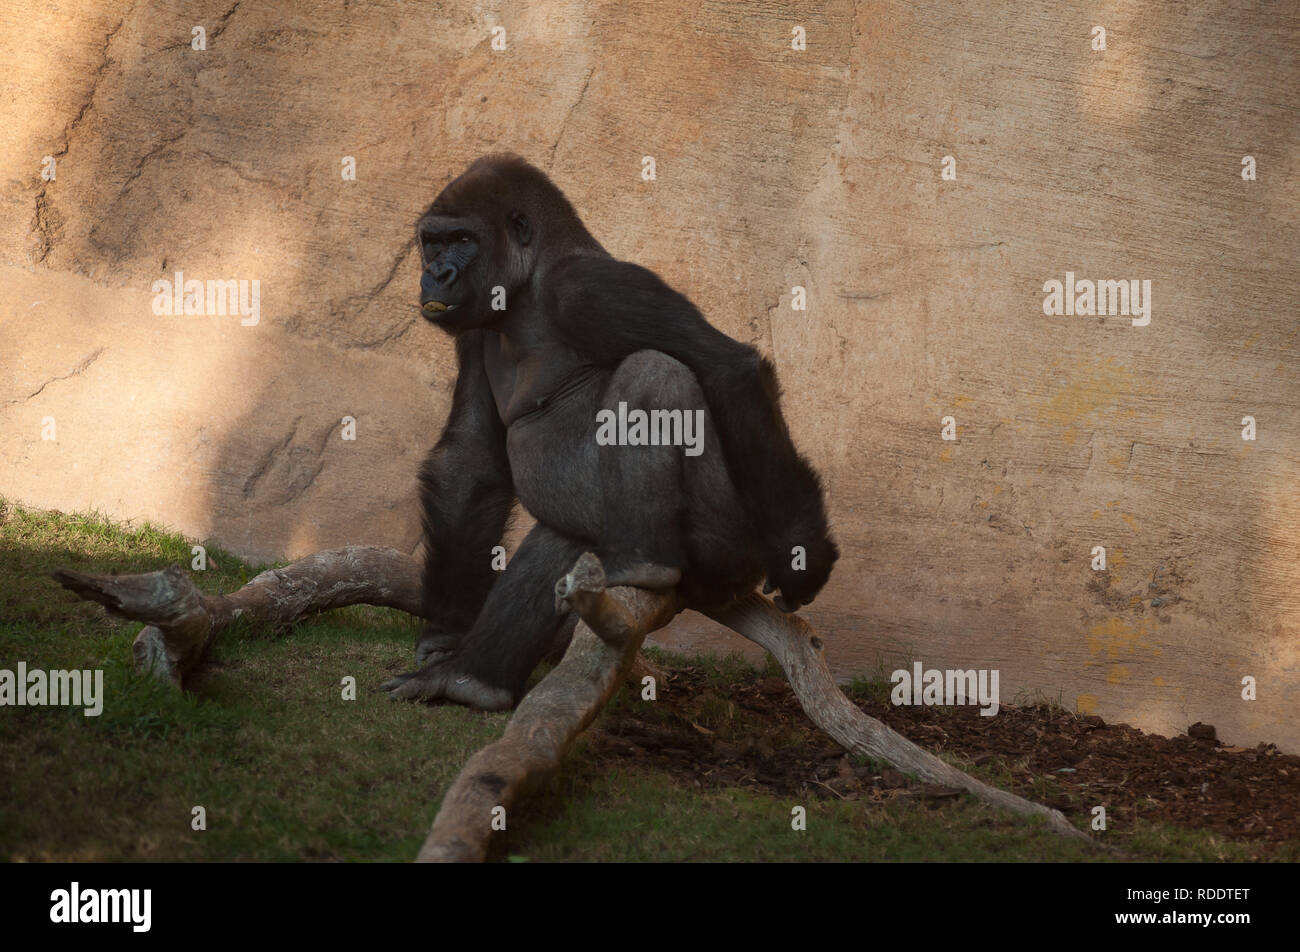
(608, 309)
(466, 493)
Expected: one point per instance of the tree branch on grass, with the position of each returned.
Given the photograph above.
(182, 623)
(799, 651)
(601, 655)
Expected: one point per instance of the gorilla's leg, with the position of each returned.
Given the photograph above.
(434, 644)
(643, 488)
(652, 513)
(518, 626)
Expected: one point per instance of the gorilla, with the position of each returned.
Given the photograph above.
(555, 339)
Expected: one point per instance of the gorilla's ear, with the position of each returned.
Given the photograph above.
(522, 226)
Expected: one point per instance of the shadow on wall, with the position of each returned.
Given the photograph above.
(226, 164)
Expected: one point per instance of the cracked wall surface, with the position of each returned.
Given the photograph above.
(775, 168)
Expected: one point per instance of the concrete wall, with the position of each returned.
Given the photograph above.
(775, 168)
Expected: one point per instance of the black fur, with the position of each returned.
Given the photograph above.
(581, 332)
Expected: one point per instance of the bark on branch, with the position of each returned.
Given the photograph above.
(604, 648)
(799, 651)
(181, 623)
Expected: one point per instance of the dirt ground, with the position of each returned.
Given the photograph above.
(756, 736)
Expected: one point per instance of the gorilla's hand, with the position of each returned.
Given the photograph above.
(800, 585)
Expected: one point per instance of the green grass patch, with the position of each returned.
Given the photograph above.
(287, 769)
(639, 815)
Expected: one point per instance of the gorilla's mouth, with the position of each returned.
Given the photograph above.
(437, 307)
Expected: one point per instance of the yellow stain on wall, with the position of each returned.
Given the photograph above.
(1158, 682)
(1086, 703)
(1117, 675)
(1118, 639)
(946, 455)
(1115, 557)
(1104, 385)
(1119, 460)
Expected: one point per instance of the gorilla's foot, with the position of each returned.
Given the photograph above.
(439, 681)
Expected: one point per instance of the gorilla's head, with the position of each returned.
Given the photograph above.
(489, 238)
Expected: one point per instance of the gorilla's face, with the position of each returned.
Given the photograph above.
(475, 256)
(454, 273)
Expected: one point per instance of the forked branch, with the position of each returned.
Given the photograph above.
(603, 650)
(181, 623)
(799, 652)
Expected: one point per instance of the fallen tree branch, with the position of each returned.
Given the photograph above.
(602, 653)
(181, 622)
(799, 651)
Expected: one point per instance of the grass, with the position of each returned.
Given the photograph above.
(286, 769)
(637, 815)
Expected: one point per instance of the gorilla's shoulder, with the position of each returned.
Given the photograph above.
(582, 278)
